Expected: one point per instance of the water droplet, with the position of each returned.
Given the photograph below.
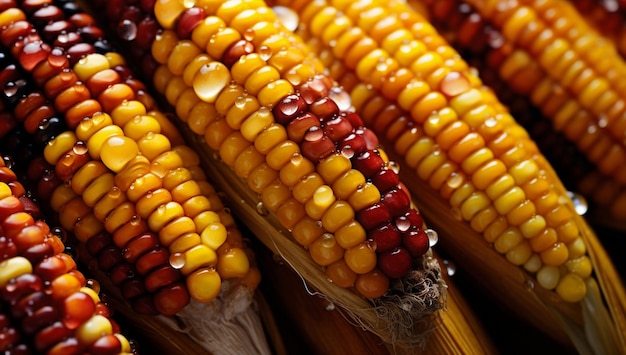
(115, 192)
(450, 267)
(177, 260)
(403, 224)
(591, 129)
(455, 180)
(240, 102)
(261, 209)
(248, 34)
(8, 161)
(433, 237)
(127, 30)
(603, 121)
(57, 58)
(529, 285)
(265, 52)
(341, 97)
(490, 122)
(293, 77)
(394, 166)
(80, 147)
(296, 158)
(287, 17)
(10, 89)
(66, 75)
(371, 244)
(94, 285)
(580, 202)
(210, 80)
(330, 307)
(315, 133)
(347, 151)
(135, 220)
(328, 240)
(159, 169)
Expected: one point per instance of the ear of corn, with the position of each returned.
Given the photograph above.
(559, 96)
(47, 305)
(459, 140)
(140, 204)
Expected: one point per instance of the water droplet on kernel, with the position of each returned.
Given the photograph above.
(127, 30)
(330, 307)
(341, 97)
(296, 158)
(328, 240)
(80, 147)
(529, 285)
(115, 192)
(314, 133)
(347, 152)
(394, 166)
(210, 80)
(433, 237)
(287, 17)
(491, 122)
(94, 285)
(261, 209)
(455, 180)
(265, 52)
(177, 260)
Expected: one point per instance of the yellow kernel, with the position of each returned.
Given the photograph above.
(483, 219)
(210, 80)
(197, 257)
(571, 288)
(487, 173)
(533, 226)
(86, 175)
(295, 169)
(274, 195)
(12, 268)
(184, 242)
(232, 147)
(507, 240)
(220, 41)
(340, 274)
(364, 197)
(204, 285)
(472, 205)
(165, 214)
(306, 187)
(273, 92)
(59, 146)
(214, 235)
(519, 254)
(322, 199)
(347, 183)
(493, 231)
(524, 171)
(93, 329)
(548, 277)
(255, 123)
(216, 133)
(289, 213)
(261, 177)
(533, 264)
(581, 266)
(306, 231)
(350, 235)
(373, 284)
(568, 232)
(325, 250)
(125, 112)
(233, 263)
(361, 258)
(181, 55)
(203, 32)
(461, 194)
(476, 159)
(499, 186)
(332, 167)
(521, 214)
(338, 215)
(247, 161)
(244, 106)
(89, 65)
(509, 200)
(556, 255)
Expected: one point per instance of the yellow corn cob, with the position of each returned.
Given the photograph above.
(446, 130)
(137, 180)
(472, 34)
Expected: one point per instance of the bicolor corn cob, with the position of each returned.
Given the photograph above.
(132, 192)
(243, 83)
(46, 304)
(455, 135)
(586, 130)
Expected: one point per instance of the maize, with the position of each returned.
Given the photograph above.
(47, 304)
(282, 126)
(607, 17)
(457, 138)
(583, 130)
(132, 191)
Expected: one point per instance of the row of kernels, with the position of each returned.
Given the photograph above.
(606, 19)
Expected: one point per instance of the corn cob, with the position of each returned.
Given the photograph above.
(454, 137)
(47, 304)
(590, 139)
(115, 201)
(331, 203)
(578, 173)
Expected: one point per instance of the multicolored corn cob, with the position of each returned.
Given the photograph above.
(454, 135)
(283, 126)
(131, 192)
(46, 304)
